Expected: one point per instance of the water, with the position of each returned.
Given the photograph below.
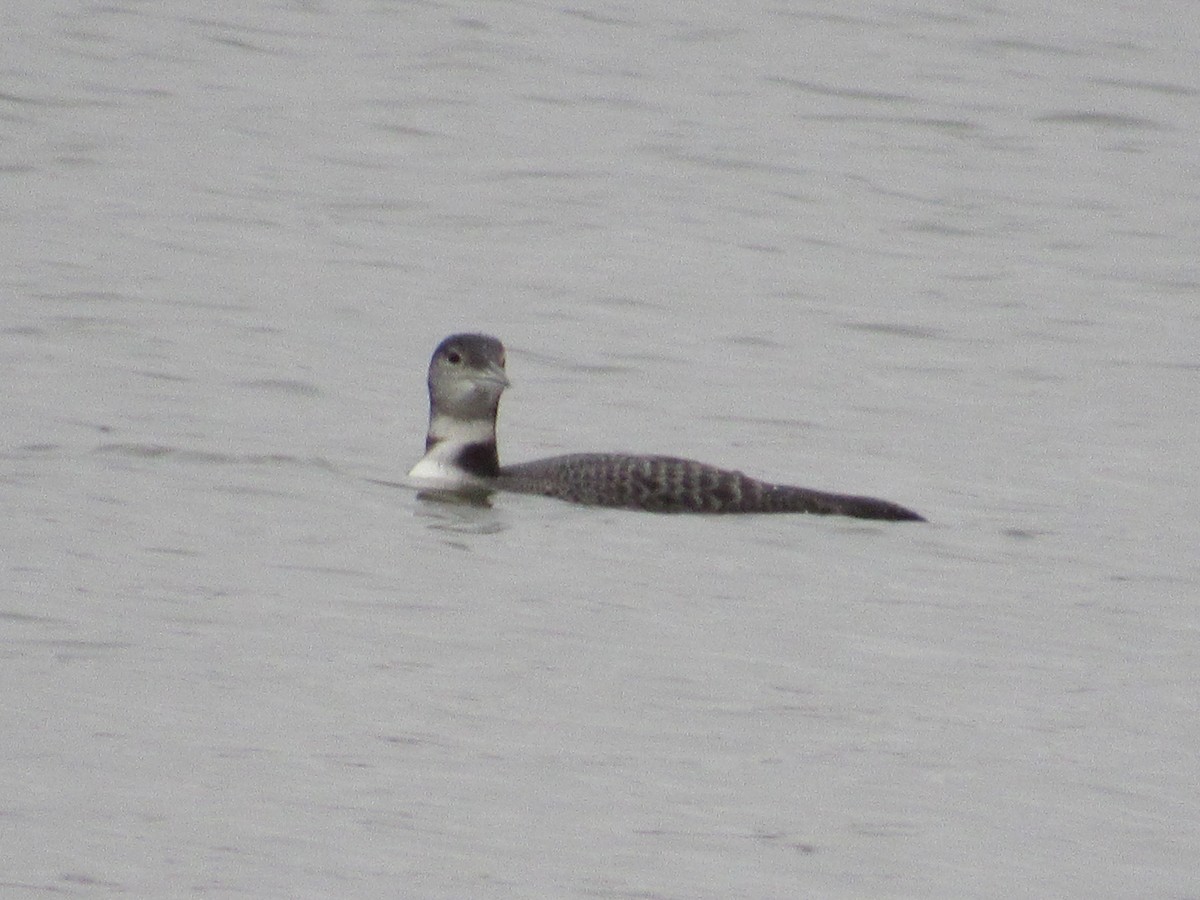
(940, 254)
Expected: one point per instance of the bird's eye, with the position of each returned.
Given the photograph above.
(455, 357)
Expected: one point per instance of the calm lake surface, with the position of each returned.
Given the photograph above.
(940, 253)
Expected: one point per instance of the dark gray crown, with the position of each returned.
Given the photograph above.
(476, 350)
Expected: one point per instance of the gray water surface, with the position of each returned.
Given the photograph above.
(942, 254)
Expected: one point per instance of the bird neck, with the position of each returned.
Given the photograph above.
(459, 450)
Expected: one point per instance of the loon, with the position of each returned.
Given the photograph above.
(466, 379)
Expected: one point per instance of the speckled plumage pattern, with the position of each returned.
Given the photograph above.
(668, 484)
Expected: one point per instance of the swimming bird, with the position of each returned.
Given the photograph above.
(466, 379)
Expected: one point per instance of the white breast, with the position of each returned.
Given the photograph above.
(435, 470)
